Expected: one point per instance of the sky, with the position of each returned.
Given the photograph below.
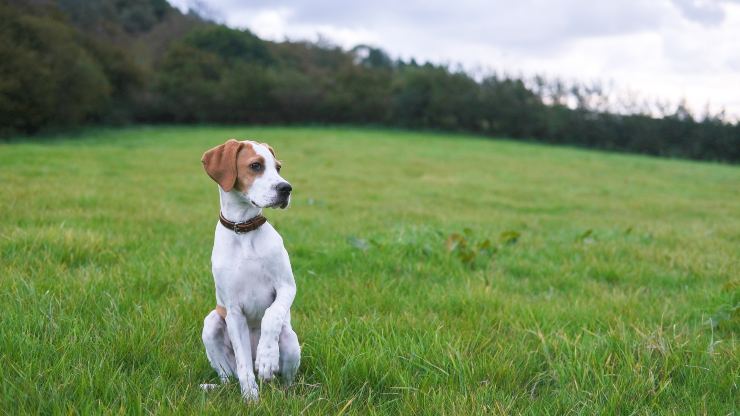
(644, 49)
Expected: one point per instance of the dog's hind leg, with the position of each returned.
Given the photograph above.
(290, 353)
(218, 347)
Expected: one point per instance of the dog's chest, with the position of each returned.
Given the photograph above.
(251, 288)
(245, 278)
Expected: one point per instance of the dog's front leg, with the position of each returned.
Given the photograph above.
(268, 353)
(236, 324)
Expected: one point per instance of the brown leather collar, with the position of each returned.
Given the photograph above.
(242, 227)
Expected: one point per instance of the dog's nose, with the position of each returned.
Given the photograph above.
(284, 188)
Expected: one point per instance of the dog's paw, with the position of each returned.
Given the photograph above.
(289, 371)
(268, 360)
(250, 394)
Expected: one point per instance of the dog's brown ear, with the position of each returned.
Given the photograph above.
(220, 163)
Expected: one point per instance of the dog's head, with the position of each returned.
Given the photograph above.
(249, 169)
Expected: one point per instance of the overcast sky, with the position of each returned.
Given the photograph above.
(654, 48)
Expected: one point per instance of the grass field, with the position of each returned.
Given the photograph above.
(437, 274)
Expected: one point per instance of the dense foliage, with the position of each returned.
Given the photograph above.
(71, 62)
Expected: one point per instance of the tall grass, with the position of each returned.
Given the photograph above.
(586, 282)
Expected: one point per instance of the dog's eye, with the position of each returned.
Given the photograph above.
(256, 166)
(278, 168)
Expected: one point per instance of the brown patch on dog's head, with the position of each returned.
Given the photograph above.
(270, 149)
(220, 163)
(278, 164)
(232, 164)
(245, 173)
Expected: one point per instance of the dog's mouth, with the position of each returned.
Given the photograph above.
(281, 203)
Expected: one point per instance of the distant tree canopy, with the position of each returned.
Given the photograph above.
(71, 62)
(47, 77)
(133, 16)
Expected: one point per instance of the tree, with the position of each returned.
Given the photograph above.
(46, 76)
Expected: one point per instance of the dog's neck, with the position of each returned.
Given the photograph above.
(235, 208)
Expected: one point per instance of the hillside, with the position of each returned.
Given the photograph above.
(70, 63)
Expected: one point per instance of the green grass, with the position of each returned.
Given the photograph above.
(619, 296)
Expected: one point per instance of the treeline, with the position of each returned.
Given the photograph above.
(73, 62)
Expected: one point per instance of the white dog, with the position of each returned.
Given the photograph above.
(250, 328)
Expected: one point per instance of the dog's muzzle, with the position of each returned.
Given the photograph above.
(283, 194)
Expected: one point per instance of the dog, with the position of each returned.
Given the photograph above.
(250, 330)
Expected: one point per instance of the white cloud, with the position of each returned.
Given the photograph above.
(659, 48)
(279, 24)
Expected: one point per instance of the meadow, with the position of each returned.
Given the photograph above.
(437, 274)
